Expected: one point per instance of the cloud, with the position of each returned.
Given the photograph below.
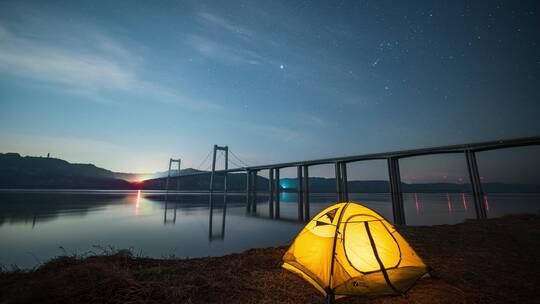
(90, 72)
(223, 53)
(241, 44)
(278, 133)
(208, 19)
(61, 67)
(114, 49)
(313, 120)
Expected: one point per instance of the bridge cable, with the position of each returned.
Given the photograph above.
(234, 163)
(219, 155)
(205, 159)
(238, 158)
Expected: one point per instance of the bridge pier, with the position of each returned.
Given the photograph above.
(248, 190)
(395, 190)
(341, 182)
(338, 182)
(306, 193)
(300, 193)
(344, 182)
(254, 191)
(271, 192)
(277, 188)
(476, 185)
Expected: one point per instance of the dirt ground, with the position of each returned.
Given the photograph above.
(491, 261)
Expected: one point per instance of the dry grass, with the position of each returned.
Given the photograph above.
(494, 261)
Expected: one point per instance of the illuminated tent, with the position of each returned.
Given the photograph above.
(349, 249)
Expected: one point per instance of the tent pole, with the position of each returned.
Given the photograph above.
(330, 296)
(330, 291)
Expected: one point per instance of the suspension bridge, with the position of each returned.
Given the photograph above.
(251, 172)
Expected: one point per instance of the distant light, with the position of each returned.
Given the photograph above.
(285, 184)
(282, 66)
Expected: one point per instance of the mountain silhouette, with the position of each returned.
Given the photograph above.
(29, 172)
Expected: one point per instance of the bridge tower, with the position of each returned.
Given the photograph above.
(212, 174)
(171, 162)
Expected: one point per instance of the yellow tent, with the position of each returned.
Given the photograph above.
(349, 249)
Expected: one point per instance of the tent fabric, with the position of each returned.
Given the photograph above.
(349, 249)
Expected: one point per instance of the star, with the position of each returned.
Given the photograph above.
(282, 66)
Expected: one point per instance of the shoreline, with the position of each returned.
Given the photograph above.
(490, 261)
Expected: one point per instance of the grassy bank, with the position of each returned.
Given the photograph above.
(493, 261)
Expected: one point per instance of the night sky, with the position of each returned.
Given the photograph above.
(126, 85)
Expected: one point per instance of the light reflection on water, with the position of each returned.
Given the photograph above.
(33, 224)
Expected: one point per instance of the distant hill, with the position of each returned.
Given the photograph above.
(52, 173)
(31, 172)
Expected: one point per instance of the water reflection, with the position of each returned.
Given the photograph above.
(167, 217)
(188, 225)
(33, 207)
(417, 203)
(220, 235)
(138, 203)
(464, 199)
